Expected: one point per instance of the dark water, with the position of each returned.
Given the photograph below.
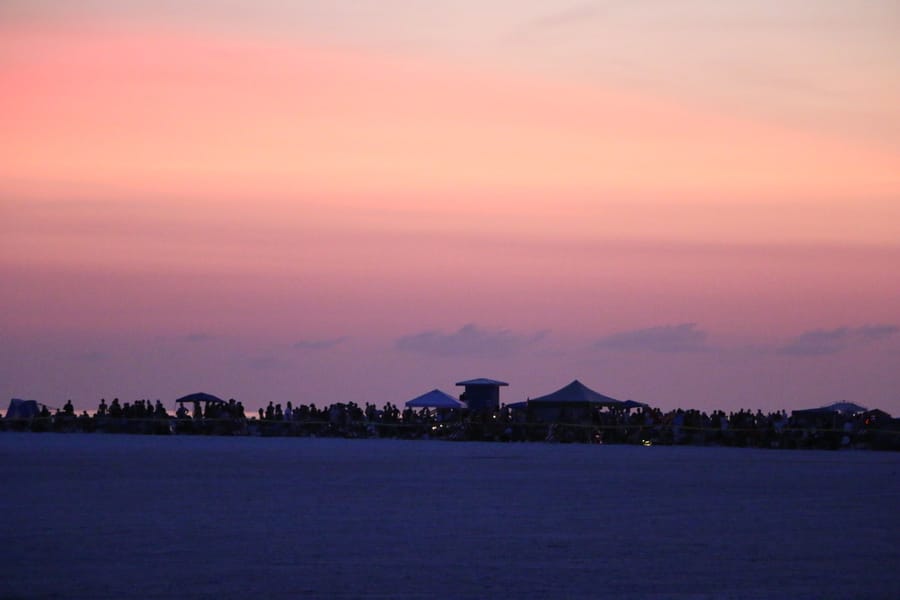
(104, 516)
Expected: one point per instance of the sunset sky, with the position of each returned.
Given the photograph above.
(691, 204)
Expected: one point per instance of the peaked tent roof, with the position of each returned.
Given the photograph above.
(482, 381)
(848, 408)
(845, 407)
(576, 392)
(434, 399)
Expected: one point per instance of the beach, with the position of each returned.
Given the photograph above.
(104, 516)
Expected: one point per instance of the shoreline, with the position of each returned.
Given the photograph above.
(785, 437)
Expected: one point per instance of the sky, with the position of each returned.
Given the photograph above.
(692, 204)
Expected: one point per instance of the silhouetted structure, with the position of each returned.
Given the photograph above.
(574, 413)
(435, 399)
(22, 409)
(203, 397)
(574, 403)
(481, 395)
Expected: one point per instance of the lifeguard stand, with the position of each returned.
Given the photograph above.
(481, 394)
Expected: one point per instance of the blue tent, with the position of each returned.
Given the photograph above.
(22, 409)
(434, 399)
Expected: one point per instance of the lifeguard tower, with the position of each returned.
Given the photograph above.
(481, 394)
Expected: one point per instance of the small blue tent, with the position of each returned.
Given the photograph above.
(22, 409)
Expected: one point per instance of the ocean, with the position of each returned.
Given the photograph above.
(115, 516)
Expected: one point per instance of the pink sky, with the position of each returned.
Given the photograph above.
(297, 206)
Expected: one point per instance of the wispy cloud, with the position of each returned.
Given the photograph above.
(266, 361)
(91, 356)
(320, 344)
(555, 23)
(818, 342)
(875, 333)
(469, 340)
(684, 337)
(199, 337)
(568, 16)
(821, 342)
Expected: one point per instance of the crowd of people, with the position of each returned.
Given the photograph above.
(611, 425)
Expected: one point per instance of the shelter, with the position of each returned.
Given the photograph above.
(22, 410)
(847, 408)
(844, 408)
(875, 417)
(434, 399)
(206, 399)
(573, 403)
(629, 404)
(201, 397)
(827, 415)
(576, 393)
(482, 394)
